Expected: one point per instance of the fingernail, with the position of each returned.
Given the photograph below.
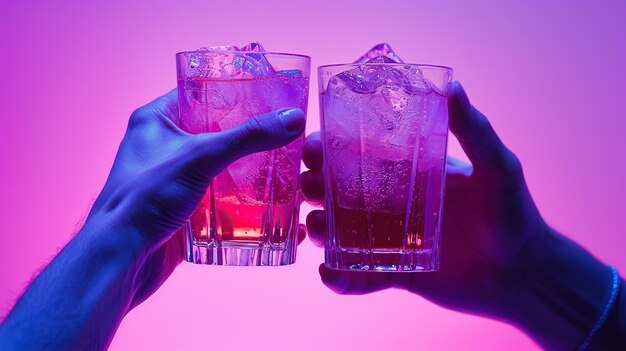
(293, 119)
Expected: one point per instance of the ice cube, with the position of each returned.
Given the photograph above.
(249, 174)
(286, 91)
(285, 173)
(381, 59)
(385, 184)
(246, 62)
(250, 177)
(340, 101)
(368, 173)
(196, 64)
(345, 162)
(368, 180)
(220, 48)
(395, 98)
(382, 49)
(233, 116)
(254, 47)
(418, 84)
(202, 109)
(368, 78)
(379, 67)
(357, 81)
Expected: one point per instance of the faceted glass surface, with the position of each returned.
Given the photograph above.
(384, 134)
(249, 215)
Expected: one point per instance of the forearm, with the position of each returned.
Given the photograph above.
(79, 299)
(563, 293)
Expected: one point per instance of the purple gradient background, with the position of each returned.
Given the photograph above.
(550, 77)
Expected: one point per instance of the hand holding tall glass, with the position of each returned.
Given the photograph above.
(249, 215)
(384, 129)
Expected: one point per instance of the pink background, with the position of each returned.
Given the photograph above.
(550, 77)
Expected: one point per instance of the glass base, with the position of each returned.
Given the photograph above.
(381, 260)
(228, 253)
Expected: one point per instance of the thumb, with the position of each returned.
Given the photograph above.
(483, 147)
(259, 133)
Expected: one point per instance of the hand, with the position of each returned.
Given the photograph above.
(127, 247)
(499, 258)
(161, 173)
(489, 222)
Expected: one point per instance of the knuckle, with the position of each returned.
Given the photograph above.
(510, 175)
(513, 165)
(138, 114)
(483, 127)
(255, 128)
(139, 117)
(234, 144)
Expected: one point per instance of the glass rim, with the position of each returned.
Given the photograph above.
(215, 51)
(387, 64)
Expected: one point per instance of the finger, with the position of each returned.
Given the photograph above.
(355, 282)
(316, 227)
(480, 142)
(301, 233)
(312, 186)
(451, 161)
(312, 151)
(454, 166)
(259, 133)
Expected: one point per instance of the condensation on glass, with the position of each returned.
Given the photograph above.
(384, 127)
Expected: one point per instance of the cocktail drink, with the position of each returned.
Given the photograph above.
(249, 215)
(384, 135)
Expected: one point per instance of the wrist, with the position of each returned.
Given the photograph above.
(115, 244)
(563, 293)
(112, 233)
